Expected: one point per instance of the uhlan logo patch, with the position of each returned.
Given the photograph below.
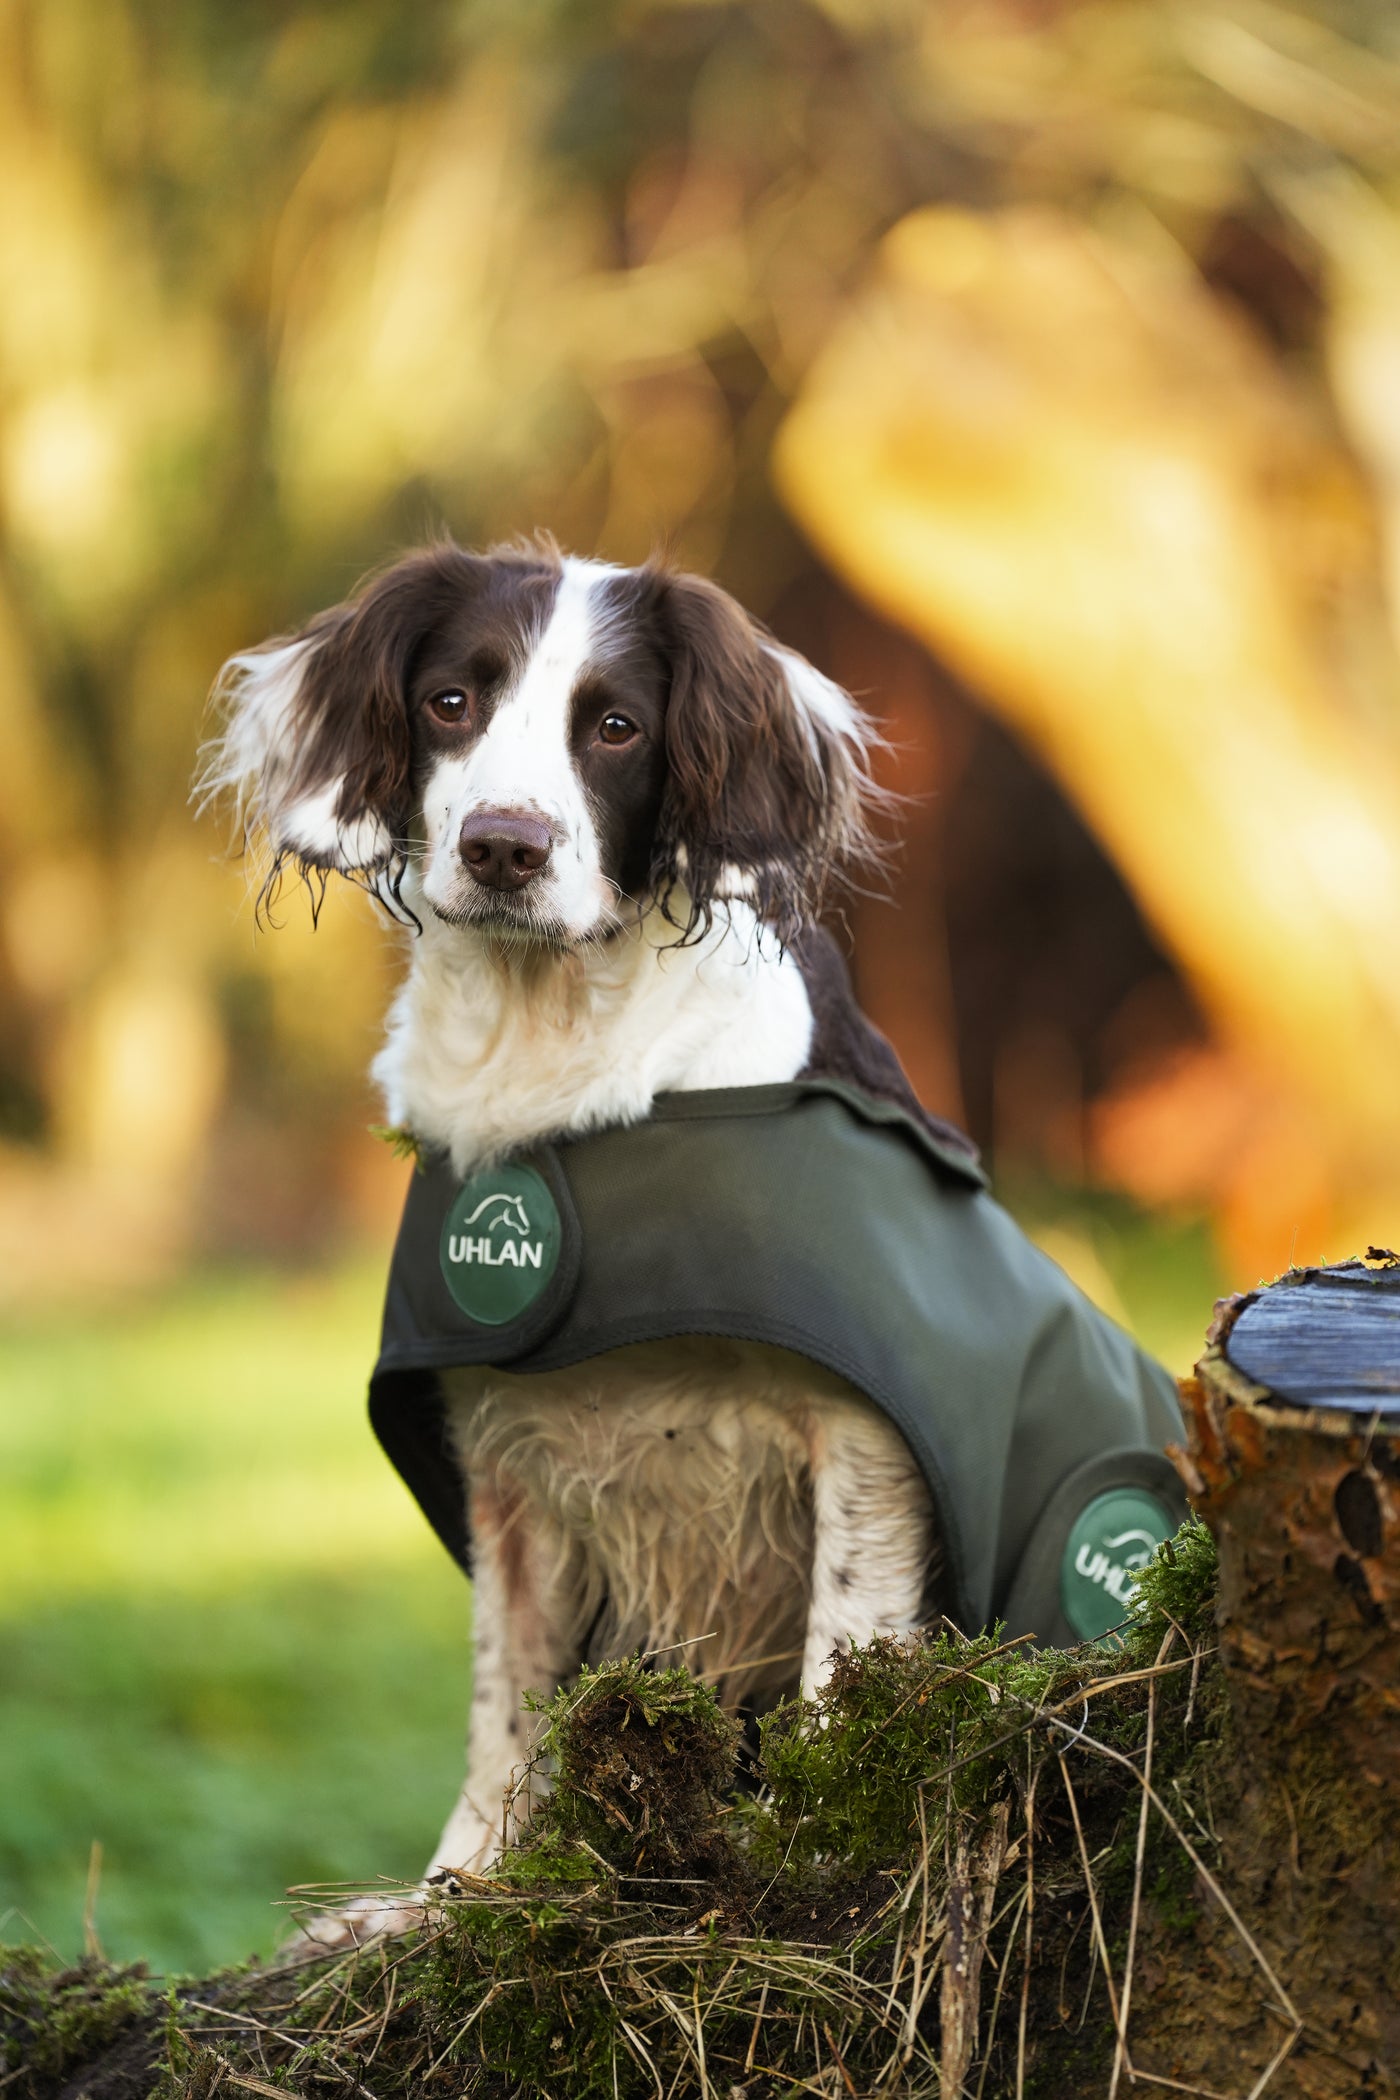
(500, 1243)
(1105, 1553)
(508, 1213)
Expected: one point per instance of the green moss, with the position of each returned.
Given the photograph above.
(1176, 1588)
(901, 1732)
(55, 2019)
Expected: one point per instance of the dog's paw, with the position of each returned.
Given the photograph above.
(367, 1918)
(356, 1924)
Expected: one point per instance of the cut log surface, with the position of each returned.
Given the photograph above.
(1325, 1338)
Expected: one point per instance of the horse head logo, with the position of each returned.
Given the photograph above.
(503, 1209)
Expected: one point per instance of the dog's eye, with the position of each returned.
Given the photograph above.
(616, 729)
(448, 707)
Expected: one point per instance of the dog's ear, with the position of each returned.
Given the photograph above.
(315, 746)
(768, 785)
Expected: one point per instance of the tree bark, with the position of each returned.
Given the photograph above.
(1295, 1465)
(1293, 1420)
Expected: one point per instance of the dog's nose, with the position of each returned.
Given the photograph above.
(503, 848)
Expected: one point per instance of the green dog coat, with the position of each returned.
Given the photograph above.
(828, 1221)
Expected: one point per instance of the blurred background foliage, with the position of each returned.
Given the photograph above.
(1034, 366)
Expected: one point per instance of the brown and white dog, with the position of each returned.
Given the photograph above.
(606, 805)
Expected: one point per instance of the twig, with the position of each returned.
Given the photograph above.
(1101, 1946)
(840, 2062)
(1030, 1934)
(972, 1886)
(1120, 2054)
(757, 2022)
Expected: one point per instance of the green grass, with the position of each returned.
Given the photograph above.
(230, 1649)
(222, 1750)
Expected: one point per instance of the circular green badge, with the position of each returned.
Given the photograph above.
(1113, 1539)
(500, 1243)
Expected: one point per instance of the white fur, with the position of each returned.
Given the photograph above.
(523, 763)
(489, 1048)
(252, 761)
(821, 702)
(311, 829)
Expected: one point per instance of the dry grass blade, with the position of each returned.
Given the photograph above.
(238, 2019)
(700, 2043)
(1276, 2060)
(92, 1945)
(1286, 2005)
(840, 2062)
(642, 2055)
(455, 2040)
(1030, 1936)
(757, 2023)
(1120, 2054)
(920, 1988)
(1018, 1916)
(1176, 2085)
(255, 2085)
(1100, 1944)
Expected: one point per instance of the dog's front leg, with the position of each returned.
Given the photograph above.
(873, 1534)
(524, 1612)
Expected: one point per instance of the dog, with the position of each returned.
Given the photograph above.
(606, 807)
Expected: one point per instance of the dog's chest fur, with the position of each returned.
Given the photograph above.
(672, 1489)
(490, 1048)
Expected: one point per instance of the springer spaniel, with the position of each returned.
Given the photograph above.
(606, 804)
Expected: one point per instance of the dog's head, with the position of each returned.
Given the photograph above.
(548, 747)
